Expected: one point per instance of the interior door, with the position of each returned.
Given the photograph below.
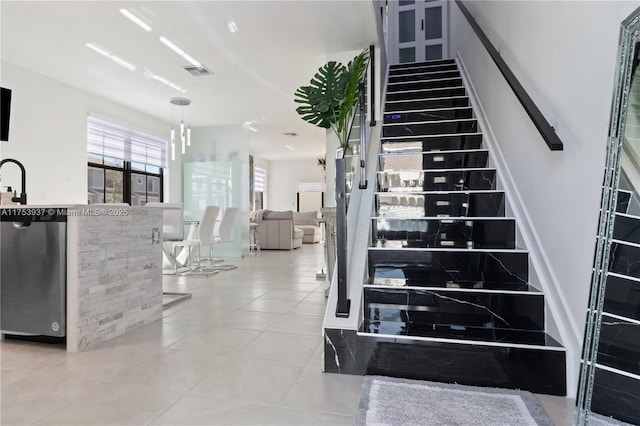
(418, 30)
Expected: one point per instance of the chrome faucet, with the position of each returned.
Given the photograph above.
(22, 199)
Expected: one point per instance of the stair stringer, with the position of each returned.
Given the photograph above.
(558, 323)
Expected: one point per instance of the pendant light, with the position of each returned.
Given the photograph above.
(185, 134)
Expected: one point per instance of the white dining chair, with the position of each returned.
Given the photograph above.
(226, 234)
(206, 228)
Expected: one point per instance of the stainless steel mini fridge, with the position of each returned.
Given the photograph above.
(33, 271)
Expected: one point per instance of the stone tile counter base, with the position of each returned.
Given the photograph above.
(114, 273)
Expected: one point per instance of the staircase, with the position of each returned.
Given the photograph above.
(448, 297)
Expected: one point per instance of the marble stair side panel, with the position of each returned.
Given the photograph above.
(447, 92)
(533, 368)
(627, 228)
(624, 259)
(622, 296)
(428, 115)
(429, 75)
(623, 201)
(619, 344)
(418, 144)
(437, 180)
(426, 104)
(425, 84)
(454, 313)
(441, 204)
(421, 68)
(489, 233)
(433, 83)
(453, 268)
(616, 395)
(430, 128)
(463, 159)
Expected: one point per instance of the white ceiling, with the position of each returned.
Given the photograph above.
(279, 46)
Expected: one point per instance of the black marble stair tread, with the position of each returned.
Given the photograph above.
(423, 63)
(511, 310)
(622, 296)
(430, 75)
(470, 233)
(442, 127)
(627, 228)
(432, 143)
(426, 94)
(440, 204)
(619, 344)
(624, 258)
(425, 84)
(473, 158)
(394, 72)
(422, 104)
(440, 267)
(428, 115)
(488, 336)
(437, 180)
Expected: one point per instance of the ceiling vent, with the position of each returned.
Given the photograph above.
(198, 71)
(290, 134)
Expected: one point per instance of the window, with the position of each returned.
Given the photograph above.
(259, 187)
(125, 166)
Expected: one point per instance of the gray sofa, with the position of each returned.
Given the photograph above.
(276, 231)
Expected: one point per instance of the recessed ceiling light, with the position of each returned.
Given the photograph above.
(192, 61)
(179, 51)
(104, 52)
(290, 148)
(253, 129)
(232, 26)
(136, 20)
(171, 46)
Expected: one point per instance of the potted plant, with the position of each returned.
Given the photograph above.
(331, 98)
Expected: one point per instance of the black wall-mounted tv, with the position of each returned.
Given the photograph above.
(5, 113)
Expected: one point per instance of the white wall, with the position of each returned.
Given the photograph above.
(48, 134)
(283, 179)
(564, 54)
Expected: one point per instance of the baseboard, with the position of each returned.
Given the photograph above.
(569, 331)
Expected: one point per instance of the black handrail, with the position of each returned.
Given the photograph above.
(344, 303)
(546, 131)
(372, 85)
(363, 136)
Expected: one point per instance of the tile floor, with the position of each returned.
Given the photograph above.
(245, 349)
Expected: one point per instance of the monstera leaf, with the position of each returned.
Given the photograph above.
(322, 98)
(356, 70)
(331, 98)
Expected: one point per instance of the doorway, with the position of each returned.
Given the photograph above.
(418, 30)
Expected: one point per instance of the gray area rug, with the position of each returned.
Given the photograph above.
(391, 401)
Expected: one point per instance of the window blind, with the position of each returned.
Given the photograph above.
(259, 179)
(311, 187)
(113, 140)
